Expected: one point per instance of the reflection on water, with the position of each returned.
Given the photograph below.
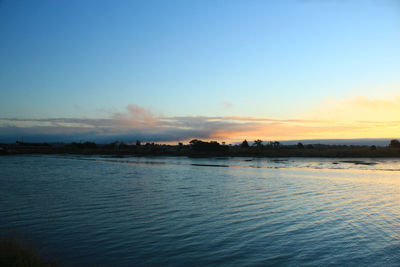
(225, 211)
(379, 164)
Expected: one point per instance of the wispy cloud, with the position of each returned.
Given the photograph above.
(135, 117)
(228, 105)
(357, 117)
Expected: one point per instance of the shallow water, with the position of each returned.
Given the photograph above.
(220, 211)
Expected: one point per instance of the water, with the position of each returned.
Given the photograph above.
(221, 211)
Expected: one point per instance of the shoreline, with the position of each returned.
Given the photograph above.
(200, 149)
(356, 153)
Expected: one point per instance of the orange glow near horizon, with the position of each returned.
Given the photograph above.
(351, 118)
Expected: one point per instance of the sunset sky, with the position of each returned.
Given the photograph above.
(170, 71)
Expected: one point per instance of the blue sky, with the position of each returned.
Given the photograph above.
(275, 59)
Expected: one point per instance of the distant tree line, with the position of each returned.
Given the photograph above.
(200, 148)
(394, 143)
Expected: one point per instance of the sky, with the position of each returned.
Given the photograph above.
(169, 71)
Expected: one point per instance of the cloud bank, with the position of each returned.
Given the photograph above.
(357, 117)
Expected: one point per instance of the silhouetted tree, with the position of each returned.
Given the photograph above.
(269, 145)
(300, 146)
(198, 145)
(276, 145)
(148, 144)
(244, 144)
(258, 143)
(194, 141)
(137, 143)
(394, 143)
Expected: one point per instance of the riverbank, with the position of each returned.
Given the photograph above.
(120, 149)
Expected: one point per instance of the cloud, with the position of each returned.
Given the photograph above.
(356, 117)
(136, 117)
(228, 105)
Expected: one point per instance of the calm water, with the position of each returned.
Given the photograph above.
(180, 211)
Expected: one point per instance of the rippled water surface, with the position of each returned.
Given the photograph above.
(220, 211)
